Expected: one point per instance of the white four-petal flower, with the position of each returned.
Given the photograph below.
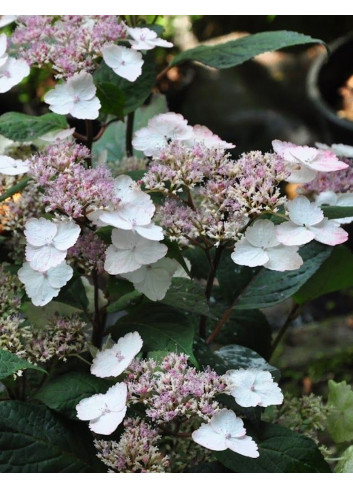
(104, 411)
(307, 222)
(42, 287)
(145, 39)
(111, 362)
(125, 62)
(12, 72)
(129, 251)
(160, 131)
(77, 96)
(226, 430)
(153, 280)
(260, 246)
(253, 387)
(48, 242)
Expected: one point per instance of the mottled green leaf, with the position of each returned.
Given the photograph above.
(340, 421)
(22, 127)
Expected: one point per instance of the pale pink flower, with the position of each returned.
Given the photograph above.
(253, 387)
(42, 287)
(111, 362)
(260, 246)
(201, 134)
(160, 131)
(76, 96)
(129, 251)
(104, 411)
(341, 150)
(48, 242)
(307, 223)
(304, 162)
(226, 430)
(145, 39)
(337, 199)
(125, 62)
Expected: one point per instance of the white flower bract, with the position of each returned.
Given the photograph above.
(307, 223)
(226, 430)
(48, 242)
(129, 251)
(12, 72)
(153, 280)
(125, 62)
(111, 362)
(145, 39)
(260, 246)
(77, 97)
(104, 411)
(253, 387)
(160, 131)
(42, 287)
(11, 166)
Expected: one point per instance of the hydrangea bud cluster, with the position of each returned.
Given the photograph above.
(68, 44)
(88, 252)
(172, 388)
(10, 293)
(208, 193)
(136, 450)
(62, 336)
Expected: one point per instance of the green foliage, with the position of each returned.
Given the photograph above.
(18, 187)
(23, 127)
(336, 273)
(234, 53)
(340, 421)
(187, 295)
(345, 465)
(74, 294)
(11, 363)
(161, 328)
(248, 328)
(112, 99)
(64, 392)
(337, 212)
(34, 439)
(281, 450)
(236, 356)
(261, 287)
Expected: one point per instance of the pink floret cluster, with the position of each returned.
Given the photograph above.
(174, 388)
(69, 43)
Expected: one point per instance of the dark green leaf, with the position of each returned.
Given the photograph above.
(236, 356)
(336, 273)
(22, 127)
(247, 328)
(124, 301)
(236, 52)
(187, 295)
(208, 467)
(337, 212)
(268, 288)
(281, 450)
(175, 253)
(74, 294)
(18, 187)
(206, 357)
(112, 99)
(161, 328)
(64, 392)
(11, 363)
(33, 439)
